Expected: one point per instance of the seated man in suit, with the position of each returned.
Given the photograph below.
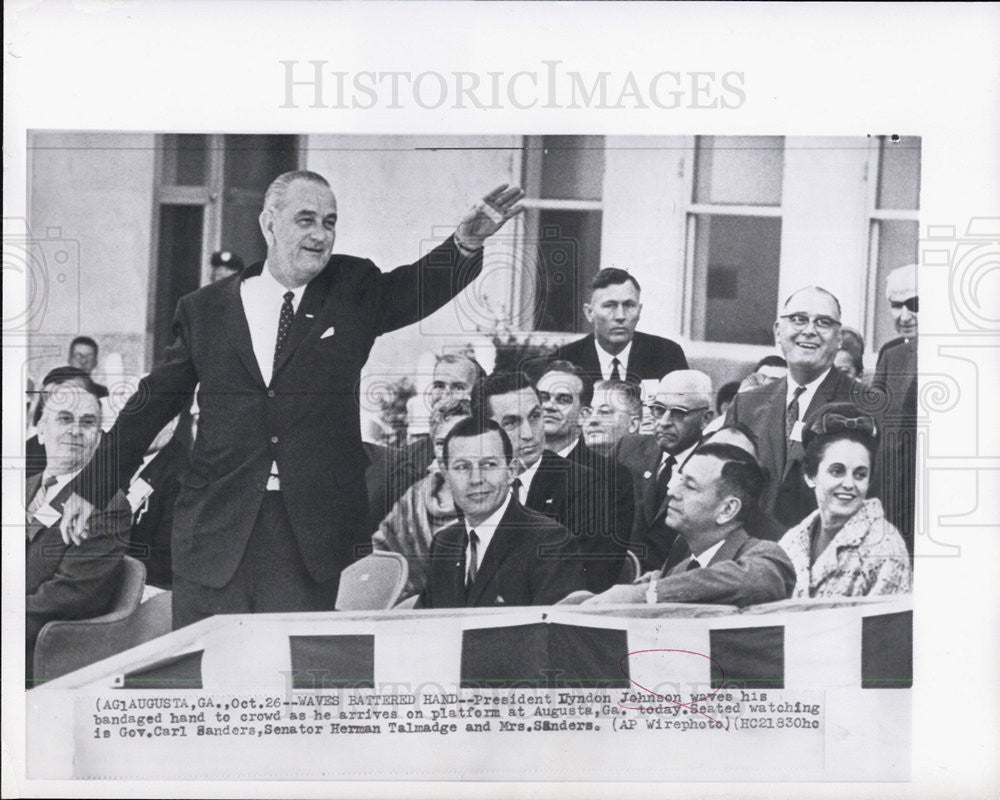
(565, 392)
(808, 332)
(68, 581)
(615, 351)
(34, 452)
(543, 481)
(682, 406)
(499, 553)
(896, 375)
(615, 412)
(708, 501)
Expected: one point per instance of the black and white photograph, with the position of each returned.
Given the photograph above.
(593, 452)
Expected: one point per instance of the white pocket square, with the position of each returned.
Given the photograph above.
(327, 333)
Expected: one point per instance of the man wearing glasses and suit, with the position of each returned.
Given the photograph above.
(808, 333)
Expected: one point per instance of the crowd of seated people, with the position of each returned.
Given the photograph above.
(537, 486)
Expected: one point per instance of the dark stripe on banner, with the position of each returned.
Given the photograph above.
(333, 662)
(176, 672)
(544, 656)
(887, 651)
(749, 658)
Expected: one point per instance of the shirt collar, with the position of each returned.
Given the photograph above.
(683, 456)
(564, 453)
(267, 284)
(605, 358)
(61, 481)
(705, 556)
(528, 475)
(810, 388)
(485, 529)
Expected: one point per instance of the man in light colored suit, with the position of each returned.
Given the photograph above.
(709, 499)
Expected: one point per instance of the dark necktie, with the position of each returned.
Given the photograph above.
(284, 325)
(473, 560)
(615, 374)
(792, 416)
(516, 486)
(663, 479)
(692, 564)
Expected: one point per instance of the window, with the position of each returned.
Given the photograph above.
(563, 178)
(209, 193)
(893, 234)
(734, 238)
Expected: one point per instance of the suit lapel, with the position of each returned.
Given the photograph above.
(235, 323)
(731, 548)
(313, 299)
(542, 494)
(773, 422)
(450, 565)
(588, 356)
(651, 457)
(503, 539)
(635, 358)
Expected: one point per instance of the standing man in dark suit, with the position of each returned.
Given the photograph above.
(709, 499)
(808, 332)
(542, 480)
(896, 375)
(275, 498)
(63, 581)
(566, 392)
(682, 407)
(499, 553)
(615, 350)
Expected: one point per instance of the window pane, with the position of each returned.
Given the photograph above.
(899, 173)
(564, 250)
(185, 159)
(178, 266)
(739, 170)
(251, 163)
(736, 278)
(897, 246)
(564, 167)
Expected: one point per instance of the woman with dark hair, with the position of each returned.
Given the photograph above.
(846, 547)
(850, 357)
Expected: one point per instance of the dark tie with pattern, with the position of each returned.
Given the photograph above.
(615, 374)
(284, 325)
(516, 486)
(663, 478)
(40, 496)
(473, 560)
(792, 416)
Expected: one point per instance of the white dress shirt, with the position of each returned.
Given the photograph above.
(526, 478)
(705, 556)
(262, 297)
(806, 397)
(605, 358)
(484, 532)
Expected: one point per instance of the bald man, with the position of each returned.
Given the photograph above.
(681, 407)
(896, 375)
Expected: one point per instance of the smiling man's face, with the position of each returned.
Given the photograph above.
(300, 233)
(809, 350)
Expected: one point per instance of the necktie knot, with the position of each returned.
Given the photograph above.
(516, 486)
(693, 564)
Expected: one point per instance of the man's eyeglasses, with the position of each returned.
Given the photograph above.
(676, 413)
(910, 304)
(800, 321)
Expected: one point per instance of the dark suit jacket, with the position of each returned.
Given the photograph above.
(71, 581)
(762, 409)
(652, 538)
(34, 457)
(569, 493)
(528, 563)
(650, 358)
(307, 419)
(614, 529)
(896, 375)
(743, 572)
(152, 526)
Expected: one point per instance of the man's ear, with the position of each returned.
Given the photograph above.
(777, 341)
(634, 423)
(588, 312)
(266, 221)
(638, 312)
(729, 509)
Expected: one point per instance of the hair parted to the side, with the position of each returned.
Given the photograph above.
(610, 276)
(496, 384)
(274, 197)
(470, 427)
(741, 474)
(561, 365)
